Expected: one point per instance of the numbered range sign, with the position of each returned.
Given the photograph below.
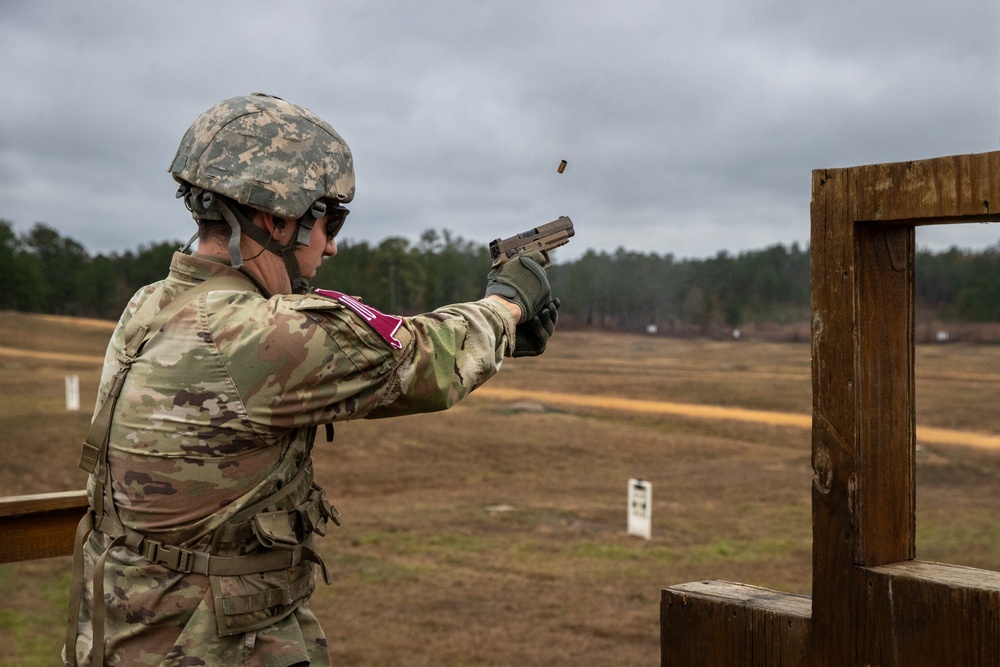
(640, 508)
(72, 392)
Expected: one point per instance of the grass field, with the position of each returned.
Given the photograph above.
(494, 534)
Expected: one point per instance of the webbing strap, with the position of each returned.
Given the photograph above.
(190, 561)
(76, 589)
(104, 504)
(90, 459)
(99, 611)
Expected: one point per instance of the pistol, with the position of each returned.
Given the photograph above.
(542, 238)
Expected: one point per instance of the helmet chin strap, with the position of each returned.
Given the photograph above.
(299, 284)
(303, 235)
(207, 205)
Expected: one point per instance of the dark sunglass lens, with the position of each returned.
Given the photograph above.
(335, 222)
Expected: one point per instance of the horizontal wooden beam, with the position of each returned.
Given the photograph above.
(39, 526)
(953, 189)
(933, 614)
(733, 625)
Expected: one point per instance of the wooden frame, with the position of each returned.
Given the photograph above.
(871, 603)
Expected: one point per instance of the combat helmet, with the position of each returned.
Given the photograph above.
(271, 155)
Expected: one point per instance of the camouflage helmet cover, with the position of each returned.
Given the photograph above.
(267, 153)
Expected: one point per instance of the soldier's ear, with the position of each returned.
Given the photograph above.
(274, 226)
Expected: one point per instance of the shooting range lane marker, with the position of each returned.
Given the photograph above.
(72, 392)
(937, 436)
(640, 508)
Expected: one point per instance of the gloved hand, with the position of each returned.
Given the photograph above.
(532, 336)
(521, 281)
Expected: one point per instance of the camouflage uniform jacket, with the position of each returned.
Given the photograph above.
(219, 412)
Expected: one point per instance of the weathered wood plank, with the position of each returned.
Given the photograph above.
(953, 189)
(39, 526)
(718, 623)
(835, 429)
(885, 485)
(935, 614)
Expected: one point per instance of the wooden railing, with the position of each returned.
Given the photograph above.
(39, 526)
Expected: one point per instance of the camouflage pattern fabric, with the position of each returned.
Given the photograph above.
(271, 154)
(218, 412)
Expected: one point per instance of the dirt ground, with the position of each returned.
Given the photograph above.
(494, 533)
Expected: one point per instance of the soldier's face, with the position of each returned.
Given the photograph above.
(320, 246)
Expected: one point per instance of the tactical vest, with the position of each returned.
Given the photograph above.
(259, 562)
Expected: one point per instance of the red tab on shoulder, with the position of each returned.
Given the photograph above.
(384, 325)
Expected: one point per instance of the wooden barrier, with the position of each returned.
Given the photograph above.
(871, 603)
(39, 526)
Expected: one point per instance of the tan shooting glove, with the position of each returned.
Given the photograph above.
(522, 281)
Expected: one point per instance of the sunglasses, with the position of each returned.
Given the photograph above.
(335, 214)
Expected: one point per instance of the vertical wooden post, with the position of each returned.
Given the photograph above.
(863, 410)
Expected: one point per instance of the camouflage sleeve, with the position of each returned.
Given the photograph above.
(452, 351)
(311, 360)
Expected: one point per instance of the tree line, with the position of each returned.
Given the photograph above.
(46, 272)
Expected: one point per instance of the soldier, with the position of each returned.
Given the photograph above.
(198, 549)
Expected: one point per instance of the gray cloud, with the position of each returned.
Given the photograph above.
(690, 127)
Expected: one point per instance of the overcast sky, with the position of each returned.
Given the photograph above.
(689, 126)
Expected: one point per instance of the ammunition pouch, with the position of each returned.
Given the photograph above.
(284, 530)
(246, 601)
